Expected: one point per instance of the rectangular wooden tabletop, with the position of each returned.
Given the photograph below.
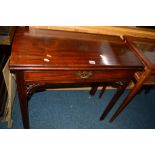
(56, 50)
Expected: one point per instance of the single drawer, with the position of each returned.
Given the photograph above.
(78, 76)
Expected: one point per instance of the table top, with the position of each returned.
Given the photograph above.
(145, 49)
(36, 49)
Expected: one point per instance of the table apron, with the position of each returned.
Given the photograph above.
(78, 76)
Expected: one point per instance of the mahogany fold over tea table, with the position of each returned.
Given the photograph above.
(42, 57)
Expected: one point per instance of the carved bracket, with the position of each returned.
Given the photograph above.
(30, 88)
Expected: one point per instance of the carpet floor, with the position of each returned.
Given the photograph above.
(75, 109)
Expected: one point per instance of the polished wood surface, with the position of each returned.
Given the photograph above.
(54, 50)
(43, 57)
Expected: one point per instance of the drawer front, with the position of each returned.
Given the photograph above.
(78, 76)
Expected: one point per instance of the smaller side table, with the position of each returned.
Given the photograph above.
(145, 50)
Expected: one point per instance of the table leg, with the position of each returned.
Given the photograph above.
(93, 89)
(131, 94)
(118, 93)
(21, 87)
(102, 90)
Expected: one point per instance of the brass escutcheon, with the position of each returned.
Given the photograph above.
(84, 74)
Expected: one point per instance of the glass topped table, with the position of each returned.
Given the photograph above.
(145, 50)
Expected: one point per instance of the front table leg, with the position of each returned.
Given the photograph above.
(23, 99)
(131, 94)
(117, 95)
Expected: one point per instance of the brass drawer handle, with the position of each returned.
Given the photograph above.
(84, 74)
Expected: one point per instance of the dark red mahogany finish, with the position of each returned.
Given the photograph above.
(41, 57)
